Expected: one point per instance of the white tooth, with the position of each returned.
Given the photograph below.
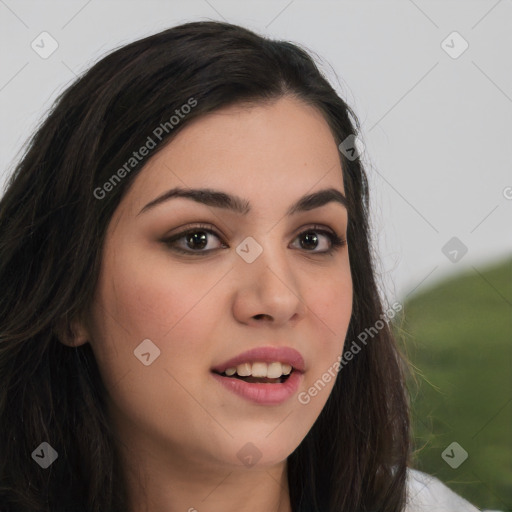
(274, 370)
(287, 368)
(259, 369)
(230, 371)
(244, 369)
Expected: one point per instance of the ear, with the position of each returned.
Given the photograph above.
(71, 333)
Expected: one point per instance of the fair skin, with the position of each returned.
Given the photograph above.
(179, 430)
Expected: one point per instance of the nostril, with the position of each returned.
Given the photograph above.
(262, 316)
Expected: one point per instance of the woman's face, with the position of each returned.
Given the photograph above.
(169, 316)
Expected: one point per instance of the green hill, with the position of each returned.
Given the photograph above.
(458, 336)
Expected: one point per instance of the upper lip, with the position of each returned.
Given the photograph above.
(265, 355)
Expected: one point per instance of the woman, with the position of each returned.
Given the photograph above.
(186, 272)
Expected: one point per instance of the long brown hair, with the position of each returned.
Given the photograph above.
(52, 228)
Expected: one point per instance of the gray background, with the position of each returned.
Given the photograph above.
(436, 129)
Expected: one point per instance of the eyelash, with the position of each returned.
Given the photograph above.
(336, 241)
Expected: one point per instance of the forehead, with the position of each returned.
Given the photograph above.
(272, 152)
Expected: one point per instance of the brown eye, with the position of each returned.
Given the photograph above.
(313, 238)
(196, 241)
(309, 240)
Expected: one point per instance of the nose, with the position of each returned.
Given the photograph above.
(268, 290)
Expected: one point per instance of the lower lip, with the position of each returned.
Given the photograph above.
(263, 393)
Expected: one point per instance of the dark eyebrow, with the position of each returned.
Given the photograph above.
(219, 199)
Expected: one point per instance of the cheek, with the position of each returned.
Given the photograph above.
(333, 303)
(149, 299)
(331, 307)
(330, 303)
(177, 311)
(152, 298)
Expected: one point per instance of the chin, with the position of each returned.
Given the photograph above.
(263, 447)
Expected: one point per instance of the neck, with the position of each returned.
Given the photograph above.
(158, 486)
(160, 480)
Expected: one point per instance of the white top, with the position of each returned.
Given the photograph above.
(426, 493)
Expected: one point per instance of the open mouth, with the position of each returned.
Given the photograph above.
(258, 372)
(257, 380)
(262, 376)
